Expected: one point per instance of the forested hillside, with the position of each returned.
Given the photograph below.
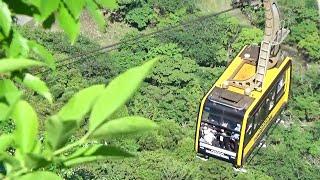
(192, 58)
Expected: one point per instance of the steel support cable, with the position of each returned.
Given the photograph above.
(111, 47)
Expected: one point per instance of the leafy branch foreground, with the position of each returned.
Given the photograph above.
(23, 154)
(26, 153)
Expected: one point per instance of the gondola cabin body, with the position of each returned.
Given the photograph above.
(231, 123)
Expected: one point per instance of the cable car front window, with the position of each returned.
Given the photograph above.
(218, 130)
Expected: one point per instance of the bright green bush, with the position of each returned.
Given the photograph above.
(140, 17)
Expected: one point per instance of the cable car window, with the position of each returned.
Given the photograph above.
(219, 132)
(280, 84)
(250, 129)
(273, 99)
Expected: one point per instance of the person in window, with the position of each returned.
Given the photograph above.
(235, 137)
(209, 135)
(202, 132)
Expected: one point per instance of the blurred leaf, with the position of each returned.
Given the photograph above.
(47, 24)
(13, 64)
(26, 126)
(5, 18)
(4, 109)
(75, 7)
(36, 3)
(117, 93)
(34, 161)
(68, 24)
(43, 53)
(40, 175)
(59, 132)
(80, 104)
(19, 46)
(37, 85)
(48, 7)
(9, 96)
(9, 91)
(25, 7)
(94, 153)
(110, 4)
(9, 162)
(96, 14)
(5, 141)
(123, 126)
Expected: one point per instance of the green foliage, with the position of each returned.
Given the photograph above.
(310, 46)
(140, 17)
(40, 175)
(144, 13)
(306, 94)
(66, 13)
(5, 18)
(247, 36)
(301, 30)
(286, 156)
(303, 20)
(23, 155)
(255, 16)
(173, 5)
(60, 127)
(13, 64)
(70, 25)
(203, 41)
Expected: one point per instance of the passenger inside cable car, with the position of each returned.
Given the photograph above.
(217, 131)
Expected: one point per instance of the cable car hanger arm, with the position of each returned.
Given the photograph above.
(270, 52)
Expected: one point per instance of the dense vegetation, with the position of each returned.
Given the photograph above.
(193, 58)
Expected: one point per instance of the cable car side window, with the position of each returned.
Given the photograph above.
(250, 129)
(280, 86)
(264, 108)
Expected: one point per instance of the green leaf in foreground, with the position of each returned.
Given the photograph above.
(5, 18)
(68, 24)
(117, 93)
(75, 7)
(26, 122)
(9, 91)
(80, 104)
(35, 161)
(5, 141)
(96, 14)
(19, 46)
(9, 96)
(94, 153)
(40, 175)
(48, 7)
(44, 54)
(59, 132)
(13, 64)
(4, 110)
(123, 126)
(109, 4)
(37, 85)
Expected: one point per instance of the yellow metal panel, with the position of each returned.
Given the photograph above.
(245, 72)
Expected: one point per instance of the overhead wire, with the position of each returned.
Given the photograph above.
(111, 47)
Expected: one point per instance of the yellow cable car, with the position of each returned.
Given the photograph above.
(230, 123)
(246, 100)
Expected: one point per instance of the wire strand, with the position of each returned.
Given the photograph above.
(111, 47)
